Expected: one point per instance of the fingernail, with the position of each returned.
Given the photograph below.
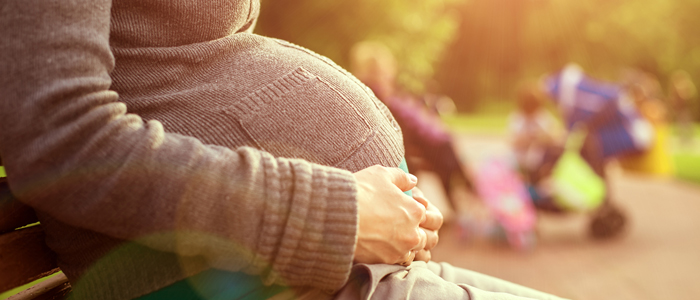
(413, 178)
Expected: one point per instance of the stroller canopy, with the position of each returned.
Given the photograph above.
(605, 109)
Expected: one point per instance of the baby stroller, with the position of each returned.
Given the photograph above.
(508, 202)
(607, 126)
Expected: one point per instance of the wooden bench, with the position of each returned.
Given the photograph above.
(24, 256)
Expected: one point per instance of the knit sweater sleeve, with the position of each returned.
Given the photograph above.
(71, 150)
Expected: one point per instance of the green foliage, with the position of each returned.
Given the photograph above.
(606, 36)
(481, 49)
(501, 42)
(415, 30)
(687, 166)
(486, 59)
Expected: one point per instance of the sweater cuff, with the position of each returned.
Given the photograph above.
(316, 237)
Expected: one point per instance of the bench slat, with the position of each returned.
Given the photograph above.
(54, 288)
(24, 257)
(13, 214)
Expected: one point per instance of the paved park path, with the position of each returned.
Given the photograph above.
(658, 258)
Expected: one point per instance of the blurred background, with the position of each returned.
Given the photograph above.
(461, 77)
(476, 52)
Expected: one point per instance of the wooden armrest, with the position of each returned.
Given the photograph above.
(55, 287)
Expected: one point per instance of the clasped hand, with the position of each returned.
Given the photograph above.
(393, 227)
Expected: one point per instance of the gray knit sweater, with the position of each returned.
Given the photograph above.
(123, 124)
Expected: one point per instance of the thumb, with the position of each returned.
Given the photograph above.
(404, 181)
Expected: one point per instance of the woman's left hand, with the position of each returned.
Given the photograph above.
(431, 225)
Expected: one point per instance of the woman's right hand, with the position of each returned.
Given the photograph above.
(389, 220)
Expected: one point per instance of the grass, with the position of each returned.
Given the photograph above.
(687, 165)
(492, 118)
(686, 158)
(494, 124)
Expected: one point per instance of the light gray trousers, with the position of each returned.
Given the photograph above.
(423, 280)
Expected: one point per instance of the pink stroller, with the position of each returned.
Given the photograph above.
(504, 193)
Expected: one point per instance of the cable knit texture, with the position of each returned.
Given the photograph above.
(149, 135)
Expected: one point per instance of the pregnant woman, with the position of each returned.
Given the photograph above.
(186, 194)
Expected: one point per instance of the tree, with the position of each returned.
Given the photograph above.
(415, 30)
(481, 49)
(503, 41)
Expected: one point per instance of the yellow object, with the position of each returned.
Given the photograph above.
(656, 160)
(2, 172)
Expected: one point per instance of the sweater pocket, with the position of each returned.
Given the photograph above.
(302, 116)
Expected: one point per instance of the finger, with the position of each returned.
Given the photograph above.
(433, 217)
(433, 220)
(418, 209)
(418, 193)
(420, 198)
(401, 179)
(423, 236)
(431, 239)
(408, 258)
(423, 255)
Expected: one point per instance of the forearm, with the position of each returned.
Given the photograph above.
(70, 149)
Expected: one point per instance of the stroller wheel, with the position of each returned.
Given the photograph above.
(608, 222)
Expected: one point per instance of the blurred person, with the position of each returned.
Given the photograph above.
(536, 137)
(429, 143)
(535, 132)
(656, 159)
(197, 201)
(646, 100)
(683, 103)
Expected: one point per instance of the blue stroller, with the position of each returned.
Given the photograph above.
(614, 128)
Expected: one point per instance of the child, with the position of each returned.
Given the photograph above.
(536, 134)
(656, 159)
